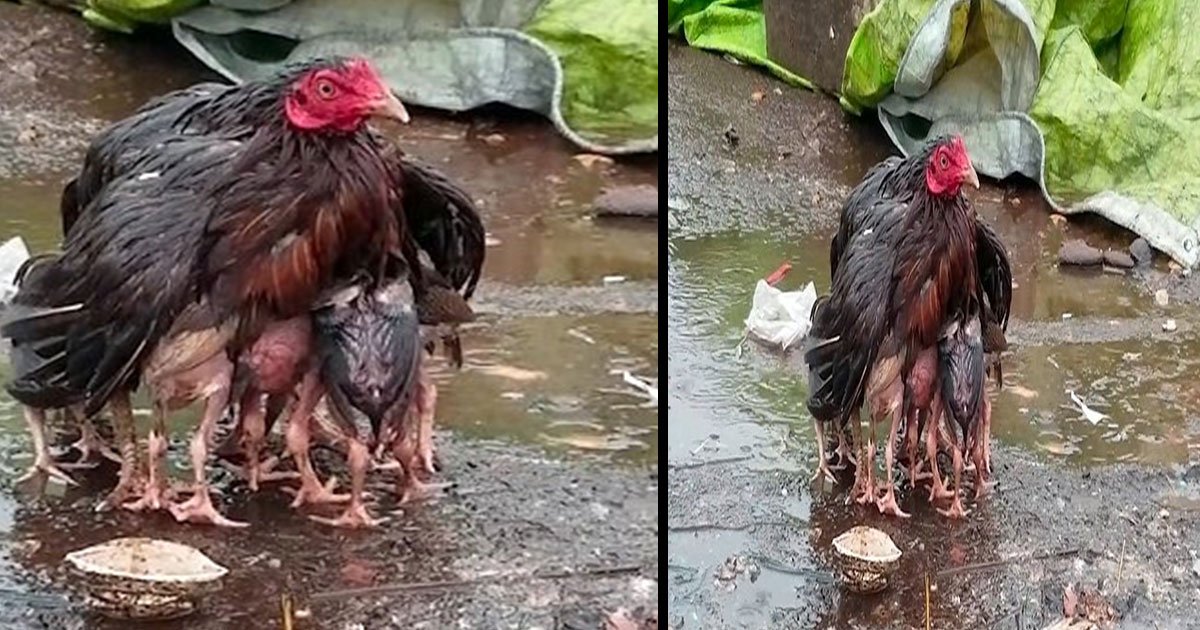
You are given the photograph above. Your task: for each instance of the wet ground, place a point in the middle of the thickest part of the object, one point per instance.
(1114, 505)
(555, 459)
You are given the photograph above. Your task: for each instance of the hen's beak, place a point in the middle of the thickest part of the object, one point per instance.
(971, 176)
(390, 107)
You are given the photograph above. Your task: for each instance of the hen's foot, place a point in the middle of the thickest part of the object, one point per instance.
(92, 451)
(199, 509)
(355, 516)
(156, 496)
(45, 466)
(887, 505)
(823, 470)
(312, 492)
(955, 511)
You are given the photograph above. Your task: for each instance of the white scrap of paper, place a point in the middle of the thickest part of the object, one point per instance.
(1090, 414)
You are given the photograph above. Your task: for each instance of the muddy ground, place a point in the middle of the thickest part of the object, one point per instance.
(1114, 506)
(554, 460)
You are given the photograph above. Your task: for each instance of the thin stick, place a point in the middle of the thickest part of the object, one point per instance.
(928, 621)
(450, 584)
(996, 563)
(710, 462)
(1120, 566)
(285, 602)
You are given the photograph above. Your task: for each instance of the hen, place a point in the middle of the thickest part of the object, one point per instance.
(251, 225)
(898, 277)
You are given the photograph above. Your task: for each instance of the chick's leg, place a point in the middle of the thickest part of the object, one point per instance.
(427, 404)
(130, 479)
(887, 503)
(156, 493)
(937, 490)
(298, 437)
(956, 507)
(90, 443)
(43, 464)
(199, 508)
(356, 514)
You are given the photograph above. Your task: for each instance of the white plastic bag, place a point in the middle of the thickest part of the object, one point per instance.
(778, 318)
(13, 254)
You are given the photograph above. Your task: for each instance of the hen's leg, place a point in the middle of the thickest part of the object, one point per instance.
(823, 471)
(979, 450)
(130, 479)
(842, 451)
(156, 493)
(887, 503)
(987, 434)
(199, 508)
(356, 514)
(956, 507)
(43, 464)
(859, 474)
(298, 437)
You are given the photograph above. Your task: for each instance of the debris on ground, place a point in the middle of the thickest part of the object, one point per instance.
(593, 161)
(1077, 252)
(780, 318)
(726, 574)
(731, 136)
(638, 619)
(1169, 326)
(1118, 259)
(13, 254)
(627, 201)
(1087, 604)
(1090, 414)
(1161, 297)
(1141, 251)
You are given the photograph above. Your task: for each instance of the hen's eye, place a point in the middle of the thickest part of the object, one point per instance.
(943, 161)
(326, 89)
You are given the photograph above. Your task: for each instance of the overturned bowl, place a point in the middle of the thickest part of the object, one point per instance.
(867, 557)
(144, 578)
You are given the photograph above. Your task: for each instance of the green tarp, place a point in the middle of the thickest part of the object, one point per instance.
(591, 68)
(1096, 100)
(734, 27)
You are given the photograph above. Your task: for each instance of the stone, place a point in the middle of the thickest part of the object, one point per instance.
(1077, 252)
(1118, 259)
(1141, 251)
(627, 201)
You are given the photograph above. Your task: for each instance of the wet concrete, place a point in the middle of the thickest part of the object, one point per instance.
(553, 457)
(741, 445)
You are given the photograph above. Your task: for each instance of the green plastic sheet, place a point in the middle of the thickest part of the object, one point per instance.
(733, 27)
(590, 67)
(1097, 100)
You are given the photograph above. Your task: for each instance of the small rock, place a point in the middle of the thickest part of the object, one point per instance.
(1169, 325)
(1163, 513)
(1161, 297)
(1077, 252)
(731, 136)
(613, 279)
(274, 563)
(1141, 252)
(1058, 219)
(1118, 259)
(494, 139)
(27, 135)
(757, 96)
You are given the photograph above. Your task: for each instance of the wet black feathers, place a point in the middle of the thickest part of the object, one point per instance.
(370, 353)
(962, 372)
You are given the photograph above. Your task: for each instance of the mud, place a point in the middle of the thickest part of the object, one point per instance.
(1116, 499)
(554, 458)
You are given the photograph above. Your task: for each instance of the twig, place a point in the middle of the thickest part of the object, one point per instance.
(1003, 561)
(701, 447)
(285, 602)
(711, 462)
(409, 587)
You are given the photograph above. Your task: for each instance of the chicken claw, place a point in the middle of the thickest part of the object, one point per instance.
(355, 516)
(44, 466)
(312, 492)
(199, 509)
(955, 510)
